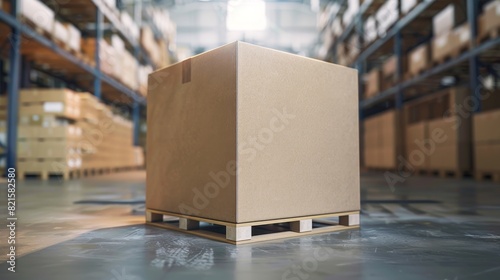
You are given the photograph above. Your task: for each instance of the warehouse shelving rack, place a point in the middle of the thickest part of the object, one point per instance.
(467, 66)
(66, 65)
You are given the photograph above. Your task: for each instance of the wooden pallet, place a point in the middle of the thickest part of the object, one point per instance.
(493, 176)
(46, 175)
(445, 173)
(252, 232)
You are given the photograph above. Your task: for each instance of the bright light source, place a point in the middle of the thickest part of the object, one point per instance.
(246, 15)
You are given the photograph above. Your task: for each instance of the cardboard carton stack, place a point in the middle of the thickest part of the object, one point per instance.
(487, 143)
(370, 30)
(350, 13)
(107, 54)
(67, 35)
(381, 145)
(389, 68)
(489, 21)
(386, 16)
(47, 136)
(419, 60)
(106, 138)
(448, 41)
(373, 81)
(37, 14)
(438, 136)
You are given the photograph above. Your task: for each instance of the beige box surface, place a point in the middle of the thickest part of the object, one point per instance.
(419, 59)
(373, 80)
(487, 157)
(416, 139)
(251, 110)
(486, 127)
(490, 19)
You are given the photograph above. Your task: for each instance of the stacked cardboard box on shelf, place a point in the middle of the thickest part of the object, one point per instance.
(352, 9)
(370, 30)
(386, 16)
(107, 54)
(37, 14)
(438, 136)
(373, 80)
(47, 137)
(449, 41)
(389, 68)
(489, 21)
(106, 138)
(67, 35)
(419, 60)
(381, 144)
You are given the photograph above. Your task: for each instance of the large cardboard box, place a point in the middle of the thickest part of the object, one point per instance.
(38, 14)
(373, 81)
(487, 157)
(490, 19)
(447, 19)
(419, 59)
(442, 46)
(416, 136)
(486, 127)
(240, 134)
(381, 140)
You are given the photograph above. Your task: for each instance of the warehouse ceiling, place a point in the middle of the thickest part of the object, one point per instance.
(288, 25)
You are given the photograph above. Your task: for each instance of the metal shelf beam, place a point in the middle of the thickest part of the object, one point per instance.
(434, 71)
(29, 32)
(412, 15)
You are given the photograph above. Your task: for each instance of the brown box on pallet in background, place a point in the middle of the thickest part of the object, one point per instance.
(489, 21)
(381, 142)
(231, 95)
(487, 157)
(447, 144)
(416, 138)
(419, 59)
(56, 102)
(486, 127)
(373, 80)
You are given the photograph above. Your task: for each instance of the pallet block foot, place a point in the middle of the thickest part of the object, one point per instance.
(301, 226)
(238, 233)
(188, 224)
(349, 220)
(153, 217)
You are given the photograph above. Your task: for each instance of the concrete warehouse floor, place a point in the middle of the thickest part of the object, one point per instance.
(429, 228)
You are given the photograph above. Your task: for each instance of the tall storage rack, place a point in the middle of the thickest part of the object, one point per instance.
(408, 31)
(65, 64)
